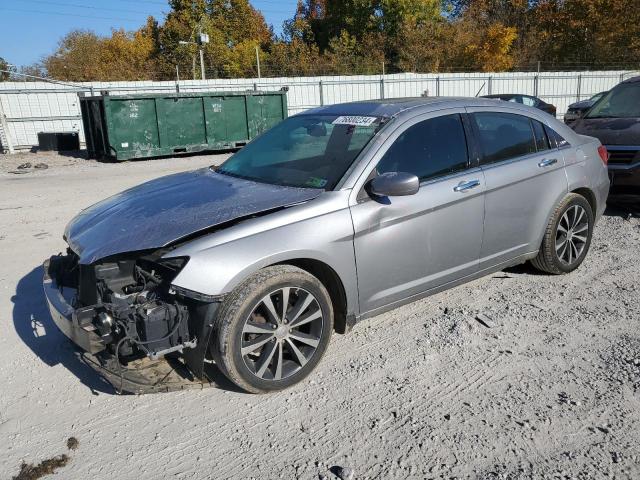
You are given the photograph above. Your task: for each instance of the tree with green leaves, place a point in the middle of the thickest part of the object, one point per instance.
(234, 27)
(85, 56)
(357, 37)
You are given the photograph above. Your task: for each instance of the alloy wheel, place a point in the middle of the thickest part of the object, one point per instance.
(282, 333)
(571, 234)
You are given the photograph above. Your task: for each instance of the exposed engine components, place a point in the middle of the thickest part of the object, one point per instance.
(128, 304)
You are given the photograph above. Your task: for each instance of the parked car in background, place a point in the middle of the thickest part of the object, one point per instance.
(332, 216)
(615, 121)
(527, 100)
(578, 109)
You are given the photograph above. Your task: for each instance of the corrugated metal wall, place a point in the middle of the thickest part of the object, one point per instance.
(32, 107)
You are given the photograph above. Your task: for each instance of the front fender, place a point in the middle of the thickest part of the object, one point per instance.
(216, 268)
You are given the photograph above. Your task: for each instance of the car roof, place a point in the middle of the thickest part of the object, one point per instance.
(395, 106)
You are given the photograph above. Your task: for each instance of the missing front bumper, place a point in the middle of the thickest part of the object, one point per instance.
(63, 315)
(171, 373)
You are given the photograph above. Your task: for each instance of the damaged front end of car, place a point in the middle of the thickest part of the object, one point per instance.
(141, 333)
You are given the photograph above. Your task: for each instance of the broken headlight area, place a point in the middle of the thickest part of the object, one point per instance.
(127, 302)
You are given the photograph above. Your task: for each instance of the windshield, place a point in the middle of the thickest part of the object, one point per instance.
(312, 151)
(621, 102)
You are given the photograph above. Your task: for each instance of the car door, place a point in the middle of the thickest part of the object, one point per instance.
(524, 177)
(407, 245)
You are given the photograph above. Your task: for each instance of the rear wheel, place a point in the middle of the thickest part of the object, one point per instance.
(567, 237)
(273, 329)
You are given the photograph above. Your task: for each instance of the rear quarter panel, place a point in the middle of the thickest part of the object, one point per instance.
(585, 169)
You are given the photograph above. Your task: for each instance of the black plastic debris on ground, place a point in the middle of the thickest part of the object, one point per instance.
(485, 320)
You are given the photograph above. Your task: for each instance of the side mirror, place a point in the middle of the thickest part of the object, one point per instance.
(394, 184)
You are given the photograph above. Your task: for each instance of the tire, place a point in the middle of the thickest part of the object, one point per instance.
(561, 252)
(258, 349)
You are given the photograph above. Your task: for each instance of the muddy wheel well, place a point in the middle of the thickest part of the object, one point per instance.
(591, 198)
(332, 283)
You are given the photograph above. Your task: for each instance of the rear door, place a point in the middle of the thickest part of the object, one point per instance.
(405, 246)
(525, 179)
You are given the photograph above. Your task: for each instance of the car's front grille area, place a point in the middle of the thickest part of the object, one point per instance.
(623, 157)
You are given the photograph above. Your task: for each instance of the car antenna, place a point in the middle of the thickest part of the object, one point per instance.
(481, 88)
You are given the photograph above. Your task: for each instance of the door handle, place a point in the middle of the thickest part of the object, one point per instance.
(464, 186)
(547, 163)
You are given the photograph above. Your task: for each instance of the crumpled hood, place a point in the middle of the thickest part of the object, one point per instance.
(610, 131)
(162, 211)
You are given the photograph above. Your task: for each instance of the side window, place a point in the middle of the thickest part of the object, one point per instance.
(429, 149)
(555, 139)
(542, 142)
(530, 101)
(504, 135)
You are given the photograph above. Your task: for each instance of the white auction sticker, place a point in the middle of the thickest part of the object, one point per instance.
(355, 120)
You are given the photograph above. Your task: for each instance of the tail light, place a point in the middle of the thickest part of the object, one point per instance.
(604, 155)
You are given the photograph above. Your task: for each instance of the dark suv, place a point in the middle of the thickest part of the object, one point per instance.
(615, 121)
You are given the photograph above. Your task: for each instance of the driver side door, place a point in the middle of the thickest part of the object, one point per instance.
(406, 246)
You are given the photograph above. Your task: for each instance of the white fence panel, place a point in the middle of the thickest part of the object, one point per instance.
(32, 107)
(456, 86)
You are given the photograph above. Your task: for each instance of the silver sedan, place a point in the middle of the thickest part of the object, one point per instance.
(334, 215)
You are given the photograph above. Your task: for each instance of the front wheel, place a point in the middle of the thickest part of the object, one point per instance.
(567, 237)
(273, 329)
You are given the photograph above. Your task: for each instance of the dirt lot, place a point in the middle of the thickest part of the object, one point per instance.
(547, 387)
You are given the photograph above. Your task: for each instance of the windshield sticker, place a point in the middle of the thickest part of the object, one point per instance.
(316, 182)
(355, 120)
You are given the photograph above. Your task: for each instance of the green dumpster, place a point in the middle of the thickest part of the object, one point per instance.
(123, 127)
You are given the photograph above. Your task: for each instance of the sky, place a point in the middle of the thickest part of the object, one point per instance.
(30, 29)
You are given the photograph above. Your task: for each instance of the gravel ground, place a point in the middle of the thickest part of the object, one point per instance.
(515, 376)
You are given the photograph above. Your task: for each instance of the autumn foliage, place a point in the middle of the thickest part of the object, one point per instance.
(359, 37)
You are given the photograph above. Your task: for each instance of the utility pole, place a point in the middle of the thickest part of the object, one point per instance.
(202, 75)
(201, 40)
(258, 61)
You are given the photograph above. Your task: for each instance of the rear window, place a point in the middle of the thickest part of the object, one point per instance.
(504, 136)
(555, 139)
(542, 142)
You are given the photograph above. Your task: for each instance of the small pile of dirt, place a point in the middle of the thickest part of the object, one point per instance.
(72, 443)
(29, 471)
